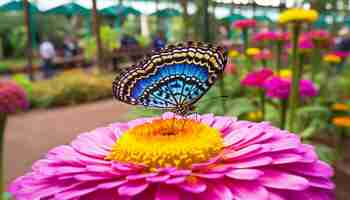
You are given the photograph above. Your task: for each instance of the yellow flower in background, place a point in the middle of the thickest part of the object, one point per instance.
(332, 59)
(233, 53)
(340, 107)
(255, 116)
(252, 51)
(285, 73)
(297, 15)
(343, 121)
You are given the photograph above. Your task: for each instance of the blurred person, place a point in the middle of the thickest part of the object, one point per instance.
(47, 54)
(159, 41)
(342, 46)
(70, 47)
(128, 41)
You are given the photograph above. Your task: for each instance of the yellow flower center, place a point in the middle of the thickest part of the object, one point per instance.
(168, 143)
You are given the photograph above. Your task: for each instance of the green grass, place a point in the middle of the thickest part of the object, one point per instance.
(15, 63)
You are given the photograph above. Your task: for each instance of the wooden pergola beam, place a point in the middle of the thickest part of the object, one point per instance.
(96, 27)
(26, 10)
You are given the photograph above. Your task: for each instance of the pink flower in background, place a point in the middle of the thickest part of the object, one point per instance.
(264, 36)
(230, 69)
(307, 88)
(321, 38)
(305, 43)
(271, 36)
(341, 54)
(12, 97)
(319, 34)
(244, 23)
(282, 36)
(264, 54)
(279, 88)
(254, 161)
(257, 78)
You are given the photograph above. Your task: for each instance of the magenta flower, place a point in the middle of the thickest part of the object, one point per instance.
(264, 54)
(12, 97)
(244, 23)
(341, 54)
(264, 36)
(230, 69)
(271, 36)
(257, 78)
(279, 88)
(282, 36)
(220, 158)
(321, 38)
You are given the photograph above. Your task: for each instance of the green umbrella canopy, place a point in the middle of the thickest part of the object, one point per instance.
(17, 6)
(120, 10)
(68, 9)
(167, 12)
(233, 18)
(262, 18)
(321, 22)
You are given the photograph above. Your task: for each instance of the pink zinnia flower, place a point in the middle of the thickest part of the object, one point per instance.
(12, 97)
(244, 23)
(264, 36)
(271, 36)
(220, 158)
(341, 54)
(319, 34)
(264, 54)
(257, 78)
(282, 36)
(230, 69)
(279, 88)
(321, 38)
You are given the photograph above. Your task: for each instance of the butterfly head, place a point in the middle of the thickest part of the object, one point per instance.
(184, 110)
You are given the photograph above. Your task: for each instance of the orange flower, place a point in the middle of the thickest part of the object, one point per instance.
(340, 107)
(343, 121)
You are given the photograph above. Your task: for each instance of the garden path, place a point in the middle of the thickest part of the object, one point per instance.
(30, 135)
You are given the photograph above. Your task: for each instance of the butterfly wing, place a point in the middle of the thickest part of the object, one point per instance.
(175, 76)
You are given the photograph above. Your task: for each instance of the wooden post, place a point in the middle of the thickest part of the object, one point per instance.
(29, 51)
(185, 17)
(206, 30)
(96, 27)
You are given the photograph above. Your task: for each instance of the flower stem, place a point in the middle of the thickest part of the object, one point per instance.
(294, 97)
(245, 40)
(316, 63)
(222, 93)
(278, 57)
(284, 107)
(262, 103)
(3, 118)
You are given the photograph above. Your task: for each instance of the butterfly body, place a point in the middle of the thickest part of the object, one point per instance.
(173, 79)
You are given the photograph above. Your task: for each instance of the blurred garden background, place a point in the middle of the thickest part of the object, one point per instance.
(65, 54)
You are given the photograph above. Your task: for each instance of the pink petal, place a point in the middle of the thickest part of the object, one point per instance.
(158, 178)
(196, 187)
(248, 190)
(165, 192)
(244, 174)
(282, 180)
(252, 162)
(132, 189)
(216, 191)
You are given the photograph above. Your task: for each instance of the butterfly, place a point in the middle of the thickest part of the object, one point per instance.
(173, 79)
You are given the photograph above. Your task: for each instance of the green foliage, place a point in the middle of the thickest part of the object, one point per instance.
(24, 81)
(71, 88)
(326, 153)
(312, 120)
(109, 38)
